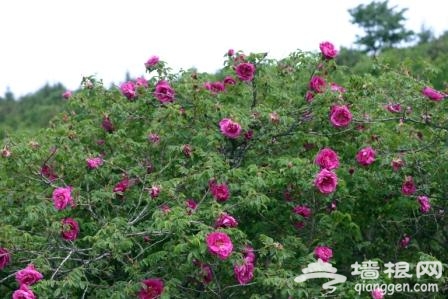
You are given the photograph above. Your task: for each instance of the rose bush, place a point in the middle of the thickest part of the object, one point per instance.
(228, 192)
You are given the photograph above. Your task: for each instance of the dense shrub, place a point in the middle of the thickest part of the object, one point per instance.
(194, 185)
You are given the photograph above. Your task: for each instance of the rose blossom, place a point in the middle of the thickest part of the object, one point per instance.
(394, 108)
(366, 156)
(67, 94)
(141, 82)
(408, 187)
(164, 92)
(154, 138)
(309, 96)
(128, 90)
(324, 253)
(432, 94)
(245, 71)
(206, 271)
(191, 205)
(249, 255)
(397, 163)
(244, 273)
(327, 158)
(122, 185)
(229, 128)
(93, 163)
(70, 229)
(337, 88)
(225, 220)
(220, 191)
(340, 116)
(23, 293)
(62, 196)
(404, 242)
(152, 288)
(107, 125)
(5, 258)
(377, 294)
(328, 50)
(28, 276)
(317, 84)
(228, 80)
(152, 61)
(326, 181)
(230, 52)
(154, 191)
(425, 206)
(48, 172)
(219, 243)
(217, 87)
(302, 211)
(186, 149)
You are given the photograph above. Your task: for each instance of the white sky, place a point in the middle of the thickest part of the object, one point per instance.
(62, 40)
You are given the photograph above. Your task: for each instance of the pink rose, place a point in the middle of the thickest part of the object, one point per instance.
(164, 92)
(249, 254)
(397, 163)
(230, 128)
(62, 196)
(408, 187)
(326, 181)
(433, 94)
(217, 87)
(377, 294)
(230, 52)
(191, 205)
(337, 88)
(151, 62)
(186, 149)
(107, 125)
(327, 158)
(425, 206)
(317, 84)
(141, 82)
(245, 71)
(404, 242)
(154, 138)
(93, 163)
(225, 220)
(340, 116)
(165, 208)
(48, 172)
(152, 288)
(67, 94)
(366, 156)
(244, 273)
(5, 258)
(302, 211)
(28, 276)
(23, 293)
(228, 80)
(70, 229)
(219, 243)
(206, 271)
(122, 186)
(128, 90)
(309, 96)
(394, 108)
(324, 253)
(154, 191)
(220, 191)
(328, 50)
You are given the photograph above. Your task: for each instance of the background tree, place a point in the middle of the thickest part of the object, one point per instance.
(383, 26)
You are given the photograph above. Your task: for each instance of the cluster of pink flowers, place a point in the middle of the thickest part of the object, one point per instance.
(326, 181)
(219, 191)
(164, 92)
(225, 220)
(323, 252)
(219, 244)
(25, 278)
(128, 89)
(62, 197)
(317, 84)
(152, 288)
(244, 273)
(229, 128)
(328, 50)
(425, 206)
(327, 159)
